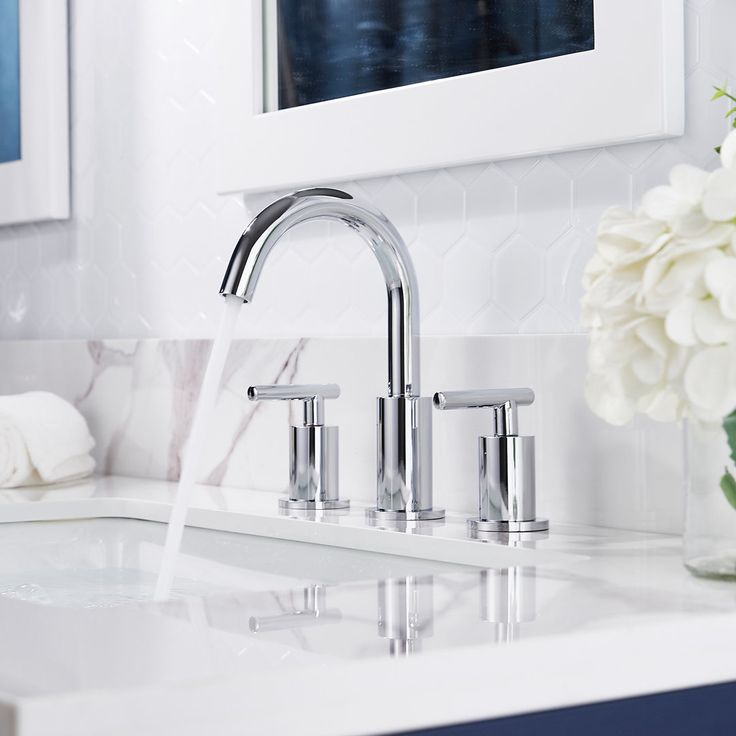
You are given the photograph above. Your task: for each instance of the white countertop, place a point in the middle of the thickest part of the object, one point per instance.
(584, 615)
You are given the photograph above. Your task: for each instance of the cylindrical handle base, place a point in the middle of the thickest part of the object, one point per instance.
(404, 474)
(506, 490)
(313, 464)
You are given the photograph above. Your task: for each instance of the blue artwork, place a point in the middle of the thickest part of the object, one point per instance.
(337, 48)
(9, 81)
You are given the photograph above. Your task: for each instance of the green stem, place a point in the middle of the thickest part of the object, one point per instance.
(728, 482)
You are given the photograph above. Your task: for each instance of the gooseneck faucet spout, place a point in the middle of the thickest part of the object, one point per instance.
(404, 418)
(255, 244)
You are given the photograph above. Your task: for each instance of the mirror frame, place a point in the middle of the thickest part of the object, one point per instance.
(629, 88)
(36, 187)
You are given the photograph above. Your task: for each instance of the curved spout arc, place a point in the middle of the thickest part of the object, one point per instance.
(254, 246)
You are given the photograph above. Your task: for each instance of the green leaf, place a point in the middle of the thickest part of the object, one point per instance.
(732, 111)
(719, 92)
(728, 486)
(729, 424)
(717, 149)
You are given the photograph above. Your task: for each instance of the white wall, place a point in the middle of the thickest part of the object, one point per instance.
(498, 248)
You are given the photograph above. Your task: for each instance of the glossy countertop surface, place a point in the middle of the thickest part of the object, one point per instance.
(355, 642)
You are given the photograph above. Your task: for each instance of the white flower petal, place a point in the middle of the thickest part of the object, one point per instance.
(671, 276)
(679, 323)
(676, 364)
(728, 150)
(715, 236)
(689, 181)
(665, 204)
(709, 382)
(663, 405)
(710, 326)
(719, 197)
(648, 367)
(651, 333)
(629, 225)
(691, 225)
(720, 279)
(624, 237)
(611, 405)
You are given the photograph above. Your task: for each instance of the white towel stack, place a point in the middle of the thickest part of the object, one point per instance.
(43, 439)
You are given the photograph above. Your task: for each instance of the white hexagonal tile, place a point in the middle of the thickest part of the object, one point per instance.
(399, 203)
(8, 252)
(518, 278)
(574, 162)
(491, 208)
(310, 240)
(440, 212)
(716, 38)
(491, 320)
(368, 303)
(93, 291)
(655, 170)
(634, 154)
(466, 175)
(706, 125)
(518, 168)
(468, 279)
(543, 320)
(169, 238)
(564, 264)
(123, 300)
(544, 202)
(604, 183)
(431, 277)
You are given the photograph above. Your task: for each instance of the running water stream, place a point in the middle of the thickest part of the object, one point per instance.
(192, 452)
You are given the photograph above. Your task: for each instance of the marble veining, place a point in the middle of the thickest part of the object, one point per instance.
(139, 396)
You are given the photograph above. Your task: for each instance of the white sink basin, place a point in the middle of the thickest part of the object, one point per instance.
(100, 563)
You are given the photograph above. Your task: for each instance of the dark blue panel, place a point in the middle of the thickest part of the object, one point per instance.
(337, 48)
(697, 712)
(9, 81)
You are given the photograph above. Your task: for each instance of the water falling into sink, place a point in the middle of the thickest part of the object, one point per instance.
(195, 443)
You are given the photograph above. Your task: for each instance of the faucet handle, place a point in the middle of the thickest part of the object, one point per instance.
(503, 401)
(507, 494)
(312, 396)
(313, 447)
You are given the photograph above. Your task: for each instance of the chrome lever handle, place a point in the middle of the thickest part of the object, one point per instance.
(312, 395)
(503, 401)
(506, 467)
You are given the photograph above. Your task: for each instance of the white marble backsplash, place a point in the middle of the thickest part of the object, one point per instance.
(139, 395)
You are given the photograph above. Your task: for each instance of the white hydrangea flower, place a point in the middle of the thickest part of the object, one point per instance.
(660, 301)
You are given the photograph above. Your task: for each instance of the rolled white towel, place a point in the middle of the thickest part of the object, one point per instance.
(43, 439)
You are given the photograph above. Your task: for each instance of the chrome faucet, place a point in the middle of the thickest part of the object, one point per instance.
(404, 431)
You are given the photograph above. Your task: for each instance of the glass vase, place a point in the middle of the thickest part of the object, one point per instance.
(710, 518)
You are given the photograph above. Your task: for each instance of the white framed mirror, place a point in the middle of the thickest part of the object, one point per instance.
(318, 91)
(34, 111)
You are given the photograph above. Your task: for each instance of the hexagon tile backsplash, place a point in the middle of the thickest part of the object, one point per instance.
(499, 248)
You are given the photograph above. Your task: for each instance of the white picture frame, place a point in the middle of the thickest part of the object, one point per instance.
(630, 87)
(36, 187)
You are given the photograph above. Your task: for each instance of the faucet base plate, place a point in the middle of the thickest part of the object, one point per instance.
(476, 526)
(375, 514)
(298, 505)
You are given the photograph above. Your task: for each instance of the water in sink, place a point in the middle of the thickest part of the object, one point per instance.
(77, 613)
(99, 563)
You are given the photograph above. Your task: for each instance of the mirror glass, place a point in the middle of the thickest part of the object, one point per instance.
(9, 81)
(317, 50)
